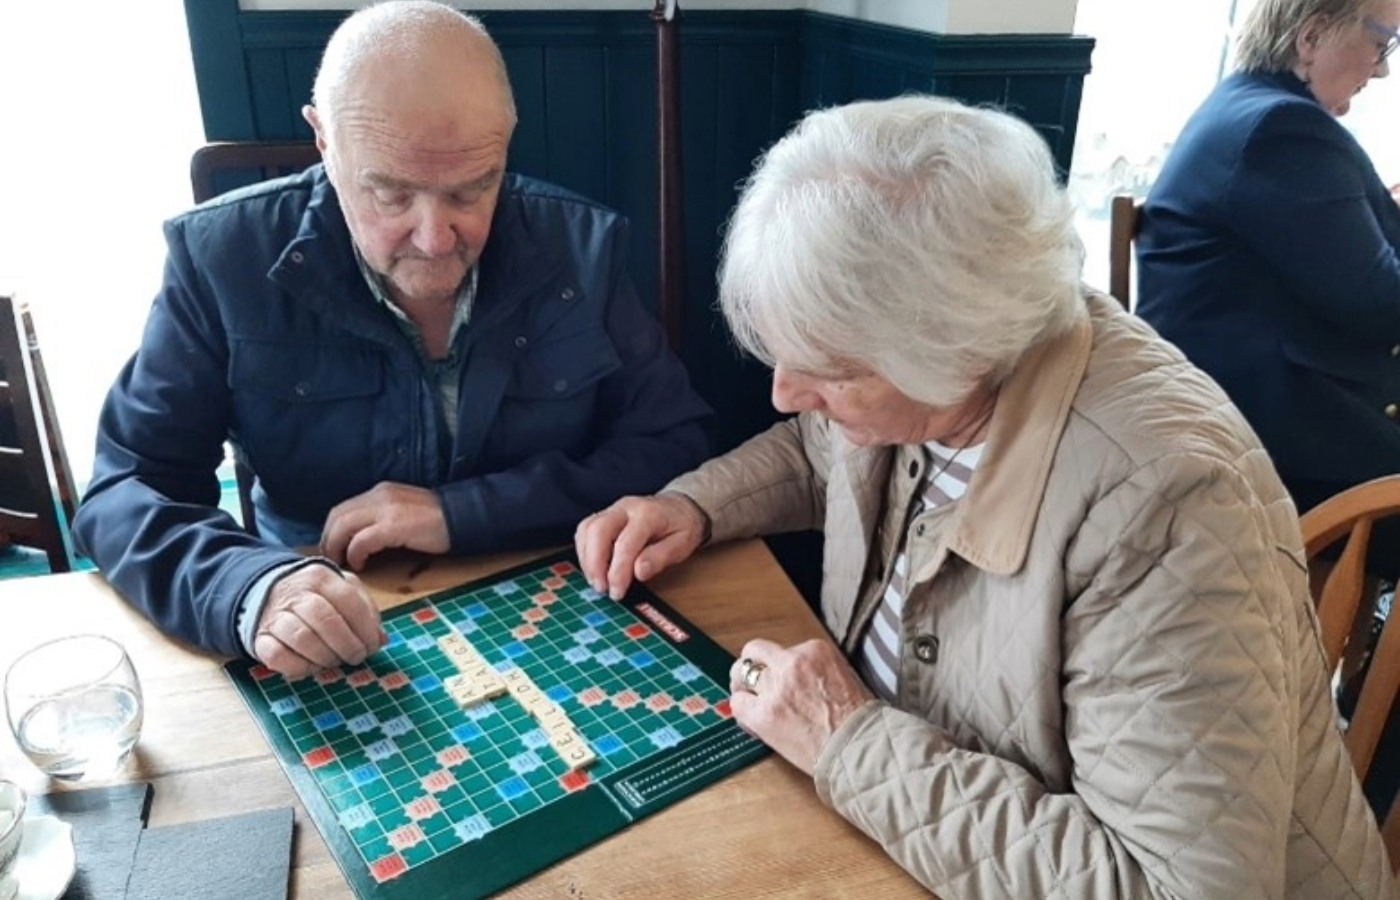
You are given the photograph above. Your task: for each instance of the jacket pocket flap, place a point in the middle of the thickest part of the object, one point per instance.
(563, 367)
(301, 372)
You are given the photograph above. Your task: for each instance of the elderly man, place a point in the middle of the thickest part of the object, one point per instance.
(408, 346)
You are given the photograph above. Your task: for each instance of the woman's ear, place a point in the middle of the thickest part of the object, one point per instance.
(1309, 36)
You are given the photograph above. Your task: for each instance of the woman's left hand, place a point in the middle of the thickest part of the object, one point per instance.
(798, 698)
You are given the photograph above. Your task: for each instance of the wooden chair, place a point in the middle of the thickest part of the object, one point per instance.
(38, 501)
(1350, 516)
(1125, 216)
(218, 168)
(224, 165)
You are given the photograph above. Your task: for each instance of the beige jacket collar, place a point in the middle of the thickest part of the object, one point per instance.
(992, 526)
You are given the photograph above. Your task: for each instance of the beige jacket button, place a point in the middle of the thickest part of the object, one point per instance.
(926, 648)
(1391, 410)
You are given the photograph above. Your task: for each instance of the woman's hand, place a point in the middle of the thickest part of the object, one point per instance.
(638, 537)
(794, 699)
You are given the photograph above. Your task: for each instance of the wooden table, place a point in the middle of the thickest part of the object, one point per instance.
(760, 833)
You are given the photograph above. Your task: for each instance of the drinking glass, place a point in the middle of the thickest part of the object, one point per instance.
(74, 705)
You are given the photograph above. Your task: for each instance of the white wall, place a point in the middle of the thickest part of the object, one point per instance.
(943, 16)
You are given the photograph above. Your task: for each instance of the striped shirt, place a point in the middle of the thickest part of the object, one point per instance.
(949, 470)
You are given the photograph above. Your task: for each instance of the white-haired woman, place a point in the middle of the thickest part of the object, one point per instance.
(1073, 652)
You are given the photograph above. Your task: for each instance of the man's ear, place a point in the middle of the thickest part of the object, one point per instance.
(313, 118)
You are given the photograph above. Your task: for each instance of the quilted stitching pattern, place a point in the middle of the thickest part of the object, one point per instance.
(1141, 711)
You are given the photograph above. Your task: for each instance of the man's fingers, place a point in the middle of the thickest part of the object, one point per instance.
(365, 543)
(368, 621)
(354, 606)
(278, 657)
(335, 630)
(322, 616)
(300, 637)
(335, 537)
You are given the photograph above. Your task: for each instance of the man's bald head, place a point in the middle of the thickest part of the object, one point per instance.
(413, 115)
(414, 43)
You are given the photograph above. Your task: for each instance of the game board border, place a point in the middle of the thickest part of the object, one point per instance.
(497, 862)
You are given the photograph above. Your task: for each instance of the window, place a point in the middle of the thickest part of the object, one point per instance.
(99, 129)
(1149, 75)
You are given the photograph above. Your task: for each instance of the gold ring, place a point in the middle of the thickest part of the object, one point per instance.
(749, 673)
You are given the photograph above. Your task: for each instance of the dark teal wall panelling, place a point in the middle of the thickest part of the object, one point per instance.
(585, 88)
(1038, 77)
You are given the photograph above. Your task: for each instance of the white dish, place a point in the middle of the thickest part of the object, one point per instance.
(47, 859)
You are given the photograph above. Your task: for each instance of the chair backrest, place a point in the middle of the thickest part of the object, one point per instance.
(1125, 215)
(220, 167)
(224, 165)
(38, 499)
(1350, 516)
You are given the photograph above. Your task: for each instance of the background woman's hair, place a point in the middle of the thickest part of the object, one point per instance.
(919, 238)
(1267, 40)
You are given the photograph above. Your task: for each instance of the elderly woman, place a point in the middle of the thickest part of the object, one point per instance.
(1075, 654)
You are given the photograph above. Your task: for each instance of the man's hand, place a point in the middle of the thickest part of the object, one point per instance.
(637, 537)
(387, 515)
(314, 619)
(794, 698)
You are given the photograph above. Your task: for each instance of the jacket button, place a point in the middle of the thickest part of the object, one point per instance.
(913, 469)
(1395, 351)
(920, 529)
(302, 389)
(1391, 410)
(521, 342)
(297, 257)
(566, 294)
(926, 648)
(561, 386)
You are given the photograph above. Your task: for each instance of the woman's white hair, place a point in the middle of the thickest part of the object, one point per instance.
(924, 240)
(397, 28)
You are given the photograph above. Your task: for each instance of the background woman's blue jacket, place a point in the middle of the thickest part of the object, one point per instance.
(1268, 254)
(266, 334)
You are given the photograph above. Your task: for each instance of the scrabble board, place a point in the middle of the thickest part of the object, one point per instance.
(509, 723)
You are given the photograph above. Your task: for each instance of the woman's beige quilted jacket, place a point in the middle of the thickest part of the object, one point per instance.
(1111, 682)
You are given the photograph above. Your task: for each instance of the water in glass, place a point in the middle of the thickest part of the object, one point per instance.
(75, 706)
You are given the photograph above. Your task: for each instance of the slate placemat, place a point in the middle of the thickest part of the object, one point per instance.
(107, 824)
(245, 857)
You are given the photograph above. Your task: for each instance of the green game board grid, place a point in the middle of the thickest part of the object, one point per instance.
(696, 760)
(505, 742)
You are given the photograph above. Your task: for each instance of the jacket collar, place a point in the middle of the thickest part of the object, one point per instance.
(993, 524)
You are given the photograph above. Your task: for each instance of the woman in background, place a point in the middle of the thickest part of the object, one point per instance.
(1268, 254)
